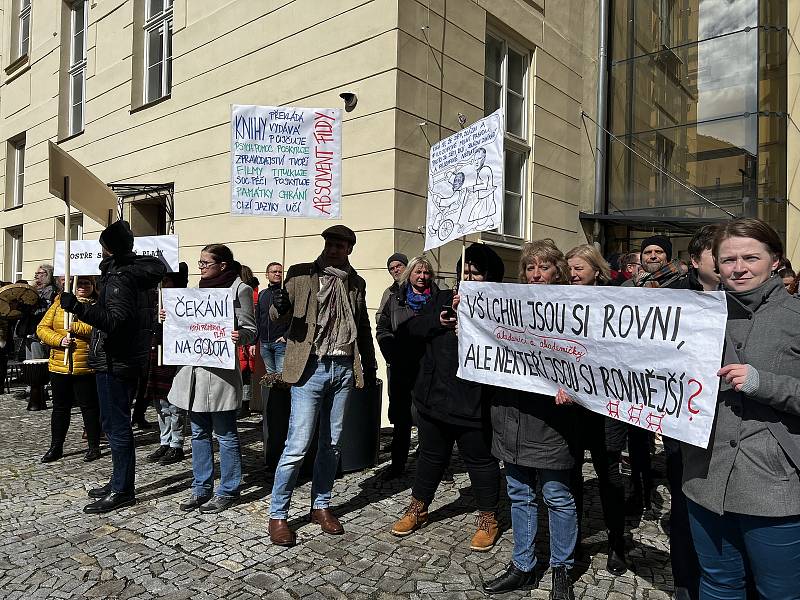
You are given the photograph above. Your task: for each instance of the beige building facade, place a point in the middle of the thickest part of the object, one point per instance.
(140, 91)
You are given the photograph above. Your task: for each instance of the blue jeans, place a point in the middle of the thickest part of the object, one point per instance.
(171, 420)
(223, 424)
(115, 396)
(272, 353)
(321, 395)
(727, 543)
(561, 511)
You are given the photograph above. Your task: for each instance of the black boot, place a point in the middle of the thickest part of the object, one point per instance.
(109, 502)
(36, 401)
(562, 585)
(615, 563)
(93, 453)
(55, 452)
(99, 492)
(512, 579)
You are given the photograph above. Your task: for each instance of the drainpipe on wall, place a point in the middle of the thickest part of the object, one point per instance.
(602, 109)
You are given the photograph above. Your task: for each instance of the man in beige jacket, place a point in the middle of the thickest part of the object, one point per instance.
(329, 351)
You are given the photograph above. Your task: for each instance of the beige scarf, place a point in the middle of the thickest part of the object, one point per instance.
(336, 328)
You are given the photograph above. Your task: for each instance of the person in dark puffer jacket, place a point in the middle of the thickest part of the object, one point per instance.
(122, 326)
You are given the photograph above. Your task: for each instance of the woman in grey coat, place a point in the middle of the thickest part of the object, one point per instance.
(212, 396)
(743, 491)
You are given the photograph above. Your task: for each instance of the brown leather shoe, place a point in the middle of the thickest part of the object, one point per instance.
(327, 521)
(280, 534)
(487, 533)
(416, 516)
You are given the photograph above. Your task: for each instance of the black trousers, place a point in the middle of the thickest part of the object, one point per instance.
(685, 565)
(641, 471)
(609, 478)
(435, 446)
(400, 383)
(68, 391)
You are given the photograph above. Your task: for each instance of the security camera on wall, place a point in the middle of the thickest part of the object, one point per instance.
(350, 100)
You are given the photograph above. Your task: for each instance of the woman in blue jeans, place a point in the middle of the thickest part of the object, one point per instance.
(213, 396)
(532, 437)
(743, 491)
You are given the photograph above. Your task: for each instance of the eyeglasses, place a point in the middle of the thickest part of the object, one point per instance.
(38, 273)
(204, 264)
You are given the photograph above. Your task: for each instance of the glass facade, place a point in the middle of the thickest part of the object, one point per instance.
(697, 106)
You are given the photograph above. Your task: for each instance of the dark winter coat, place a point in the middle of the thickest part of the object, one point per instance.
(438, 392)
(268, 330)
(122, 319)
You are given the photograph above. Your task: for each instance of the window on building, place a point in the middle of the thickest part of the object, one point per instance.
(15, 171)
(506, 86)
(157, 49)
(24, 27)
(79, 22)
(13, 254)
(75, 227)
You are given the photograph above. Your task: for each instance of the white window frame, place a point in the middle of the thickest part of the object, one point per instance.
(162, 22)
(513, 141)
(24, 43)
(77, 67)
(15, 268)
(19, 172)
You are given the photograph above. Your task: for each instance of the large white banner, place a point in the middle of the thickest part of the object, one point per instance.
(85, 255)
(198, 327)
(286, 162)
(648, 357)
(465, 182)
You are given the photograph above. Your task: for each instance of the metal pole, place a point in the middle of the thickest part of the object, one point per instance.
(602, 113)
(67, 255)
(283, 257)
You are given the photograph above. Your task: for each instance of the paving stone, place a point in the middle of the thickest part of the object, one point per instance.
(153, 550)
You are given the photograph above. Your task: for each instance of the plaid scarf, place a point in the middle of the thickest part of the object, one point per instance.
(336, 327)
(669, 273)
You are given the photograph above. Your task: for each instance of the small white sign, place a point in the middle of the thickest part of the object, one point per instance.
(465, 182)
(86, 254)
(198, 327)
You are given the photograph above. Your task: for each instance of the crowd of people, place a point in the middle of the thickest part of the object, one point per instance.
(735, 506)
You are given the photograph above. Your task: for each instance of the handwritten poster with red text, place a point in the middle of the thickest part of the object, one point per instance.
(198, 327)
(647, 357)
(286, 162)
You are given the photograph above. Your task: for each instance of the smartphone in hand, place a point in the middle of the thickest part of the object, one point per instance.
(449, 311)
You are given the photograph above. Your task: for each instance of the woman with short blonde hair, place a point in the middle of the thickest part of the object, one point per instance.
(542, 262)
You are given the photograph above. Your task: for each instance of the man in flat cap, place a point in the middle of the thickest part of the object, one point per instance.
(396, 265)
(329, 351)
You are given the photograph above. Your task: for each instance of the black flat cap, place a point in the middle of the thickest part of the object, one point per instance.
(340, 232)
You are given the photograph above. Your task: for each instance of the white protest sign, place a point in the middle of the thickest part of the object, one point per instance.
(465, 182)
(647, 357)
(198, 327)
(85, 255)
(286, 162)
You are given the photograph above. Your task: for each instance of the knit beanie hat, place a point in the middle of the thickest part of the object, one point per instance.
(485, 260)
(397, 256)
(660, 241)
(117, 238)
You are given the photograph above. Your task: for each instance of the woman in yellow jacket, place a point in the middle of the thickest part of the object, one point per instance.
(71, 381)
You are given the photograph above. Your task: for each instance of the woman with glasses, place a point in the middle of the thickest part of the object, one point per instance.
(212, 396)
(72, 380)
(35, 352)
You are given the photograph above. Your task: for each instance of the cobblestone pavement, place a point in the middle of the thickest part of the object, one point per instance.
(50, 549)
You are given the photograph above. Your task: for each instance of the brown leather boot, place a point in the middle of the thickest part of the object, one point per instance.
(280, 534)
(487, 533)
(416, 516)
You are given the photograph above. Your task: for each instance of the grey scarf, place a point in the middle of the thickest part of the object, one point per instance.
(336, 328)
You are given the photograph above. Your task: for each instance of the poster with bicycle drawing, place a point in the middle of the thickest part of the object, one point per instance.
(465, 182)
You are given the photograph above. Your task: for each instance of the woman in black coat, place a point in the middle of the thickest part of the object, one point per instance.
(403, 353)
(532, 437)
(451, 410)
